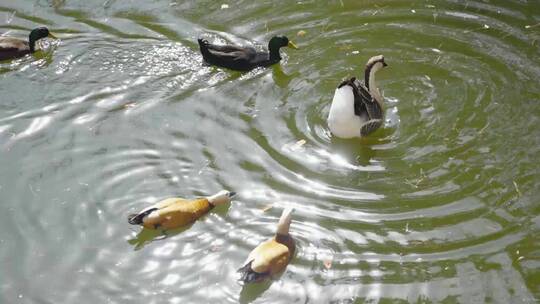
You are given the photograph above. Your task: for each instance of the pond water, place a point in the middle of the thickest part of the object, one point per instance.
(438, 206)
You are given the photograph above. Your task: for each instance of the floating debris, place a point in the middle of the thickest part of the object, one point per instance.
(224, 6)
(327, 263)
(216, 248)
(301, 33)
(267, 207)
(298, 144)
(517, 189)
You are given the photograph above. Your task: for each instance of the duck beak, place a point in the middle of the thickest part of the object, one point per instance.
(292, 45)
(384, 64)
(52, 36)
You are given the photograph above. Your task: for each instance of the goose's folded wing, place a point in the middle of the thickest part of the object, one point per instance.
(363, 92)
(372, 107)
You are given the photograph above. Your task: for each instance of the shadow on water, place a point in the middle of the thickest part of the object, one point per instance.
(250, 292)
(146, 236)
(280, 78)
(356, 150)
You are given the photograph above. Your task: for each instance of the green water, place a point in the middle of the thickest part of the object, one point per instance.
(438, 206)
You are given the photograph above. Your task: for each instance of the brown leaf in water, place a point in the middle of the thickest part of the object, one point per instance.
(299, 144)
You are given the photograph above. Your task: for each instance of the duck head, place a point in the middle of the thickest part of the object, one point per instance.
(285, 221)
(222, 197)
(36, 34)
(278, 42)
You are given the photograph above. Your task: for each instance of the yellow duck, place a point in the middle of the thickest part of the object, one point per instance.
(270, 257)
(176, 212)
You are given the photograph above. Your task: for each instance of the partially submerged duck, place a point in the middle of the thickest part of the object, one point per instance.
(176, 212)
(270, 257)
(357, 108)
(14, 48)
(243, 58)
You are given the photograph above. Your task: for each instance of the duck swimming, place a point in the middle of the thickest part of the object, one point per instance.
(14, 48)
(176, 212)
(270, 257)
(243, 58)
(357, 108)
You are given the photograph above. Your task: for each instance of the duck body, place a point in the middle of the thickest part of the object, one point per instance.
(176, 212)
(243, 58)
(11, 48)
(356, 109)
(272, 256)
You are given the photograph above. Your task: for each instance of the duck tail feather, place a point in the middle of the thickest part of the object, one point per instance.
(137, 218)
(250, 276)
(349, 82)
(203, 45)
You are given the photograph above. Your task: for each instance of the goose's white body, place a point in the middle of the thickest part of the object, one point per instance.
(342, 121)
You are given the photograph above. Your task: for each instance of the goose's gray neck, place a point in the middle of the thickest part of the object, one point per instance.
(370, 81)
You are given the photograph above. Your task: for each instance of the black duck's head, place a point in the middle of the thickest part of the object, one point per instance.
(38, 33)
(278, 42)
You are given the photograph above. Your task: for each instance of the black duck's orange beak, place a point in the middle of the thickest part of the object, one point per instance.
(52, 36)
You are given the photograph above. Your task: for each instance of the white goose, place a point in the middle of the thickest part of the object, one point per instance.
(357, 108)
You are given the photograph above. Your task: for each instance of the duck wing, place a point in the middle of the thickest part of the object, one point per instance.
(137, 219)
(265, 260)
(225, 48)
(178, 213)
(13, 47)
(10, 43)
(235, 56)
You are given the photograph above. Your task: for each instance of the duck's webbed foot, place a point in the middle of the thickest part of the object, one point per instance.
(370, 126)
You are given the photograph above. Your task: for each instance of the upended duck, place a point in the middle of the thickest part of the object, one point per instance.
(357, 108)
(176, 212)
(272, 256)
(14, 48)
(243, 58)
